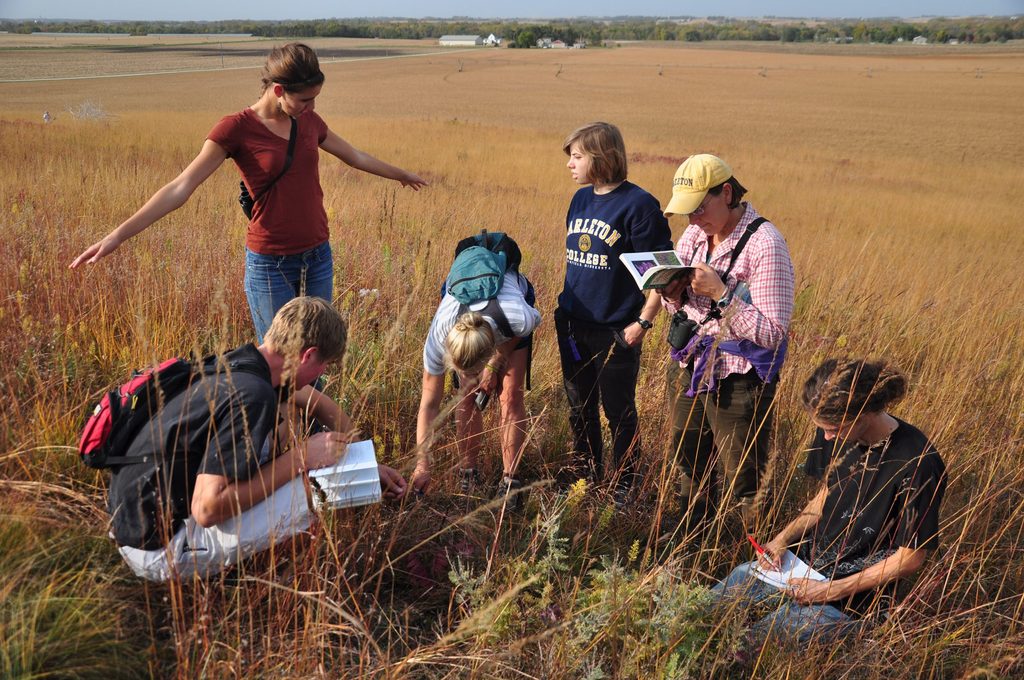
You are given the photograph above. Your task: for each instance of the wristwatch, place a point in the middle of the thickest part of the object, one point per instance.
(726, 298)
(644, 323)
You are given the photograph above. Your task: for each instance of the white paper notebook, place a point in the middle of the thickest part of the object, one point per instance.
(352, 481)
(791, 567)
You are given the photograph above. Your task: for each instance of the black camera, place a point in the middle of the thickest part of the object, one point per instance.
(681, 330)
(481, 400)
(245, 200)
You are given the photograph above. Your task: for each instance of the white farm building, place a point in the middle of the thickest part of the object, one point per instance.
(460, 40)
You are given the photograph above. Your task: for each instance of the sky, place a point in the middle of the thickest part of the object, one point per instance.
(205, 10)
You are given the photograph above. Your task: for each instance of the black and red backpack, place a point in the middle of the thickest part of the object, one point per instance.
(121, 413)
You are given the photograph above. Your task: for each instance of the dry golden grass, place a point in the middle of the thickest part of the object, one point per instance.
(895, 177)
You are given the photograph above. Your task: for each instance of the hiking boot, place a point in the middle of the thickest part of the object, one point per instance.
(509, 491)
(468, 479)
(622, 497)
(568, 475)
(623, 493)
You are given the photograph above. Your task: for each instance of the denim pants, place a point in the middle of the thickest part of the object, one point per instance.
(790, 620)
(273, 280)
(599, 370)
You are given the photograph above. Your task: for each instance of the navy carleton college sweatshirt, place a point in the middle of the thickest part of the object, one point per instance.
(599, 227)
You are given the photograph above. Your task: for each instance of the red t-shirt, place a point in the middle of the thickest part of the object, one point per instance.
(290, 218)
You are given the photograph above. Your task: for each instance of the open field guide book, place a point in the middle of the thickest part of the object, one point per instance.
(654, 269)
(350, 482)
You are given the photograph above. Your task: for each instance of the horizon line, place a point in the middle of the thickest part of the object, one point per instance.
(619, 17)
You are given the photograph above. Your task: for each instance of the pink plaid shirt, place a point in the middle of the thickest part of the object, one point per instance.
(762, 307)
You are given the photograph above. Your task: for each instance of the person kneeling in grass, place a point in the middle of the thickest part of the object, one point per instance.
(874, 520)
(221, 475)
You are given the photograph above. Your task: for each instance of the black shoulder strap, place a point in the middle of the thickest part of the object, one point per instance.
(747, 233)
(495, 313)
(287, 161)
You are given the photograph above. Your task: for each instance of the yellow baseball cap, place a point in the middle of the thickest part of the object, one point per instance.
(694, 177)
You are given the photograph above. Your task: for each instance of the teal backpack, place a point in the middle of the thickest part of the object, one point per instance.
(477, 274)
(480, 265)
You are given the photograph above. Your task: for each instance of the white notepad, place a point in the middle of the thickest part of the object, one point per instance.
(352, 481)
(791, 567)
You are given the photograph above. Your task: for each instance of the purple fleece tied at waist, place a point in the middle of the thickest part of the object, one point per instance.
(766, 362)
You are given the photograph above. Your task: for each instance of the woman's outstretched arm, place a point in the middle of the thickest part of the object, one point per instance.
(360, 160)
(168, 198)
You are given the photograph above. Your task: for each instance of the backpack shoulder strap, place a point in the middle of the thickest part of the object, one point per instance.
(495, 313)
(212, 365)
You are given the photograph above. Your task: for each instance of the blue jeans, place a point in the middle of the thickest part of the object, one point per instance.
(273, 280)
(790, 620)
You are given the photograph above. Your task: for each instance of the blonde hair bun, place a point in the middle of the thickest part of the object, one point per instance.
(470, 343)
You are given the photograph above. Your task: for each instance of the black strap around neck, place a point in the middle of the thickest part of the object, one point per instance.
(744, 237)
(740, 245)
(287, 161)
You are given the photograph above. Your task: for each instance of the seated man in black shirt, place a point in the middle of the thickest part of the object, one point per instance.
(875, 518)
(223, 476)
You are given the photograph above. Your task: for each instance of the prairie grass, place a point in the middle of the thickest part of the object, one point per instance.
(898, 192)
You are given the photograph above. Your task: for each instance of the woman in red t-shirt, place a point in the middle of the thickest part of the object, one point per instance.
(287, 248)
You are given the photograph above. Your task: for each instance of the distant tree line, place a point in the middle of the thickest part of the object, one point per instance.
(594, 32)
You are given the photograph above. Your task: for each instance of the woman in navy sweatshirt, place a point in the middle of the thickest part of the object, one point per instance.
(602, 316)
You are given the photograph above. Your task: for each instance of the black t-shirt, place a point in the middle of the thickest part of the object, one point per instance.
(217, 426)
(880, 498)
(821, 451)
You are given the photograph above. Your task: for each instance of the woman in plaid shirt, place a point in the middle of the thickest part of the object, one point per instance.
(721, 386)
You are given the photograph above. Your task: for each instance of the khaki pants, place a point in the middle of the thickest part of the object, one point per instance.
(731, 426)
(196, 550)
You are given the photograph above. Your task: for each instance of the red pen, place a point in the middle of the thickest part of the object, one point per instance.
(761, 551)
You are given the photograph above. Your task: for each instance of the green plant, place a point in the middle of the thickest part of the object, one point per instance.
(60, 617)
